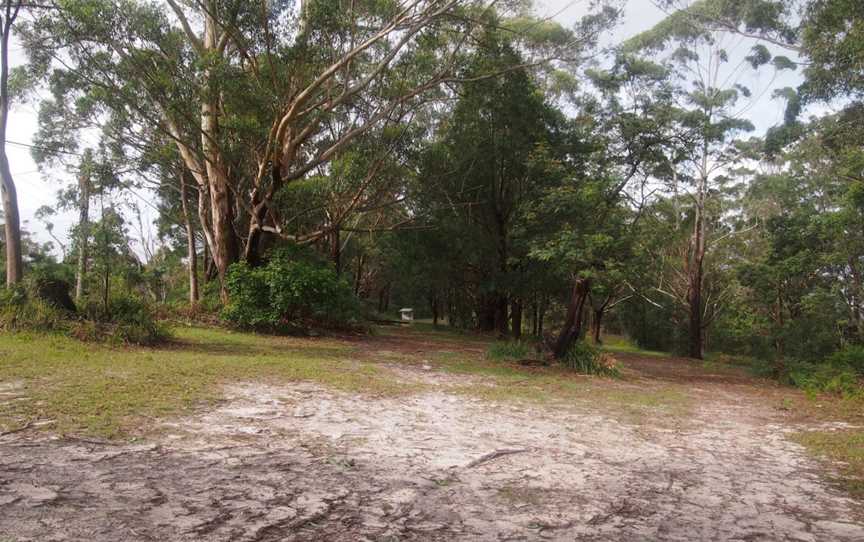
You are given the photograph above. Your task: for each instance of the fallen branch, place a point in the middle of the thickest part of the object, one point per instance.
(494, 455)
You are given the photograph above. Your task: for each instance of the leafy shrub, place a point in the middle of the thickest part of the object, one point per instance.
(586, 359)
(288, 293)
(508, 350)
(128, 320)
(824, 378)
(851, 356)
(20, 312)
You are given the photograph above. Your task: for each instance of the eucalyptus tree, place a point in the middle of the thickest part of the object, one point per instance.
(827, 33)
(580, 225)
(9, 11)
(83, 230)
(832, 39)
(258, 95)
(711, 119)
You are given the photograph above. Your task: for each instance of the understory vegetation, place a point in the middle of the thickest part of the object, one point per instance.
(43, 305)
(290, 292)
(262, 167)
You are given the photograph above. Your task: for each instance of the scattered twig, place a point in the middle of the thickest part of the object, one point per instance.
(96, 442)
(543, 526)
(494, 455)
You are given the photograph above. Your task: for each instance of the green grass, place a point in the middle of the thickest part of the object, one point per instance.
(108, 392)
(508, 350)
(623, 345)
(846, 447)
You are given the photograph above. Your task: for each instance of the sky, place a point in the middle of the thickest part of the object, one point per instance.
(34, 190)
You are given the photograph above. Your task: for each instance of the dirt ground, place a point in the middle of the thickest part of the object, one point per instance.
(301, 462)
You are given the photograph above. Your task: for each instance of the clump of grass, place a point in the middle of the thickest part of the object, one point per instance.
(846, 447)
(508, 350)
(586, 359)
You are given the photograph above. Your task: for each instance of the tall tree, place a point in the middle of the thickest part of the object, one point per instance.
(710, 120)
(12, 220)
(84, 184)
(257, 96)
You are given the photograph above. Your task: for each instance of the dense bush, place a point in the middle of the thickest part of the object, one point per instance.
(841, 373)
(851, 357)
(127, 320)
(19, 311)
(288, 293)
(586, 359)
(827, 378)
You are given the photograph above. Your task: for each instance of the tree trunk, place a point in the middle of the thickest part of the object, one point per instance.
(541, 315)
(534, 315)
(83, 230)
(225, 248)
(106, 265)
(14, 262)
(358, 277)
(433, 304)
(695, 260)
(336, 249)
(486, 313)
(516, 316)
(572, 328)
(501, 322)
(596, 324)
(694, 302)
(191, 252)
(381, 294)
(259, 215)
(779, 346)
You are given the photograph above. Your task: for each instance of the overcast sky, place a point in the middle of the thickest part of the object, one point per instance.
(35, 191)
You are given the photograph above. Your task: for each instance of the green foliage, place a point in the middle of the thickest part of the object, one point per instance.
(586, 359)
(288, 293)
(833, 40)
(852, 357)
(840, 374)
(508, 350)
(127, 320)
(19, 312)
(826, 378)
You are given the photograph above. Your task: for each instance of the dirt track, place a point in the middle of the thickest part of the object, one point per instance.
(299, 462)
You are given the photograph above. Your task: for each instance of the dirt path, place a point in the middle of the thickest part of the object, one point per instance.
(299, 462)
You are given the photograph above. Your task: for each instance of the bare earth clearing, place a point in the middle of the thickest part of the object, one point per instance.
(453, 461)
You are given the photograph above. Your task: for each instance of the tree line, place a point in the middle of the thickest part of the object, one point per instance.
(471, 158)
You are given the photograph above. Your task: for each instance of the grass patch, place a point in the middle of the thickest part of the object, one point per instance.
(560, 387)
(846, 447)
(108, 392)
(508, 350)
(619, 344)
